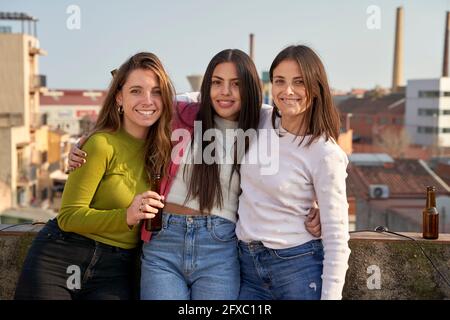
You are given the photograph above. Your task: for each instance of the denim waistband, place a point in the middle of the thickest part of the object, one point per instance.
(194, 221)
(54, 227)
(256, 245)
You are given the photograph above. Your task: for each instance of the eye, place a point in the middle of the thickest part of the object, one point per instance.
(215, 82)
(279, 82)
(156, 92)
(298, 82)
(235, 84)
(135, 91)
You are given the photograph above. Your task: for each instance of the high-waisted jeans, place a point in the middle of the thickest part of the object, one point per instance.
(191, 258)
(281, 274)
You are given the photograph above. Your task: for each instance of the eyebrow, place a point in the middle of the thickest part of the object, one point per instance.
(140, 87)
(299, 77)
(224, 79)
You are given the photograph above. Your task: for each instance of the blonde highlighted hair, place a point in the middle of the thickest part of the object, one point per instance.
(158, 145)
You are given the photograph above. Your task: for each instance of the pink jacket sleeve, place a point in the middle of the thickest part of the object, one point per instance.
(185, 114)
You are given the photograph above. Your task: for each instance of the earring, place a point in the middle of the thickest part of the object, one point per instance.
(120, 109)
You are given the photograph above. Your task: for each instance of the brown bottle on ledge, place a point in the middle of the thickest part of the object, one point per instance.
(155, 224)
(430, 224)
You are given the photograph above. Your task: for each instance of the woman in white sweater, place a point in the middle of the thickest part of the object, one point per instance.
(279, 258)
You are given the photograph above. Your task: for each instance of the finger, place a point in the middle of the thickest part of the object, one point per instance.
(151, 194)
(76, 151)
(153, 202)
(77, 159)
(146, 208)
(72, 165)
(148, 216)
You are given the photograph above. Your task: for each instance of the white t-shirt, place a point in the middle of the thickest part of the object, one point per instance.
(273, 207)
(179, 189)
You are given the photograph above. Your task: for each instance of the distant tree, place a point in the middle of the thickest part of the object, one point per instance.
(393, 141)
(376, 92)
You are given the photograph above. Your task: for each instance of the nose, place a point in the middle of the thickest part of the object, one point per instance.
(148, 99)
(226, 89)
(289, 89)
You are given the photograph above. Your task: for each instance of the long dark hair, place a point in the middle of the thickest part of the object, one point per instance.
(322, 117)
(205, 179)
(158, 145)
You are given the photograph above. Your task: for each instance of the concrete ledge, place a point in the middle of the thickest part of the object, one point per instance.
(404, 270)
(381, 266)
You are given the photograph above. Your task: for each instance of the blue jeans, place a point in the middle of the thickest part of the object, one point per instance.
(191, 258)
(281, 274)
(64, 266)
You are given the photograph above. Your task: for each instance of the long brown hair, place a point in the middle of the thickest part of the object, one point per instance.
(205, 179)
(322, 117)
(158, 145)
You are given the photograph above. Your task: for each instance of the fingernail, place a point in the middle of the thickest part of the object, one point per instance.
(84, 161)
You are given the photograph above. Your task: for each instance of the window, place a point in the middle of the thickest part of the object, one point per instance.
(428, 94)
(427, 130)
(383, 120)
(428, 112)
(398, 121)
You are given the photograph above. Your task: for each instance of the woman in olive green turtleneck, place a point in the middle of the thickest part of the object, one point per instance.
(89, 250)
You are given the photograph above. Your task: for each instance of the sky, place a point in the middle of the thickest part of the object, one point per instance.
(186, 34)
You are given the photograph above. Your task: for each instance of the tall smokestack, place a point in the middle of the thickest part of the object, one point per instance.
(251, 46)
(397, 75)
(445, 60)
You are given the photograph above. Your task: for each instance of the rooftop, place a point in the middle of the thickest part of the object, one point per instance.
(392, 104)
(58, 97)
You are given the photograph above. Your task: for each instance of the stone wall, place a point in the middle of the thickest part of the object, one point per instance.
(381, 266)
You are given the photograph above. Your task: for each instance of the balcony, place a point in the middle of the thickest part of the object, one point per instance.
(381, 266)
(27, 176)
(8, 120)
(37, 82)
(36, 121)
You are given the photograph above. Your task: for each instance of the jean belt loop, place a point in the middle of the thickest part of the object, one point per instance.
(165, 220)
(209, 222)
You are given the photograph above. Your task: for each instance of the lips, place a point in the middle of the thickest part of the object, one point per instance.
(146, 113)
(290, 101)
(225, 103)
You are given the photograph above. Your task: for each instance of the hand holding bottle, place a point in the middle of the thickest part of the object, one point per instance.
(144, 206)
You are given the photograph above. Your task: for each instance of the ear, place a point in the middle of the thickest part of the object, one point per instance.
(119, 98)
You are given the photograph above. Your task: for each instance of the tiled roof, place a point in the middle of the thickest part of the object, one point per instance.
(73, 97)
(392, 103)
(405, 178)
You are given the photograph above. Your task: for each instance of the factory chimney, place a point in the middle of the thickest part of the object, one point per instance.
(397, 75)
(445, 60)
(251, 46)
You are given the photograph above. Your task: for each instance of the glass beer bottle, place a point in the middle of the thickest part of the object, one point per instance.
(155, 224)
(430, 223)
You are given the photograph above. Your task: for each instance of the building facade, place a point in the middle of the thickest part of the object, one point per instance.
(20, 122)
(427, 116)
(70, 110)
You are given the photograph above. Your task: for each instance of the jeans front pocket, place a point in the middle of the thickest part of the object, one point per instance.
(223, 230)
(303, 250)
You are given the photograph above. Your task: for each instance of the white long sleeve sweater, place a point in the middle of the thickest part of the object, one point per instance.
(273, 207)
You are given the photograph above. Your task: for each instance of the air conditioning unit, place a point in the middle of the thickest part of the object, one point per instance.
(378, 191)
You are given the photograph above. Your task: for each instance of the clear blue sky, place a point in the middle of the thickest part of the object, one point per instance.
(185, 34)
